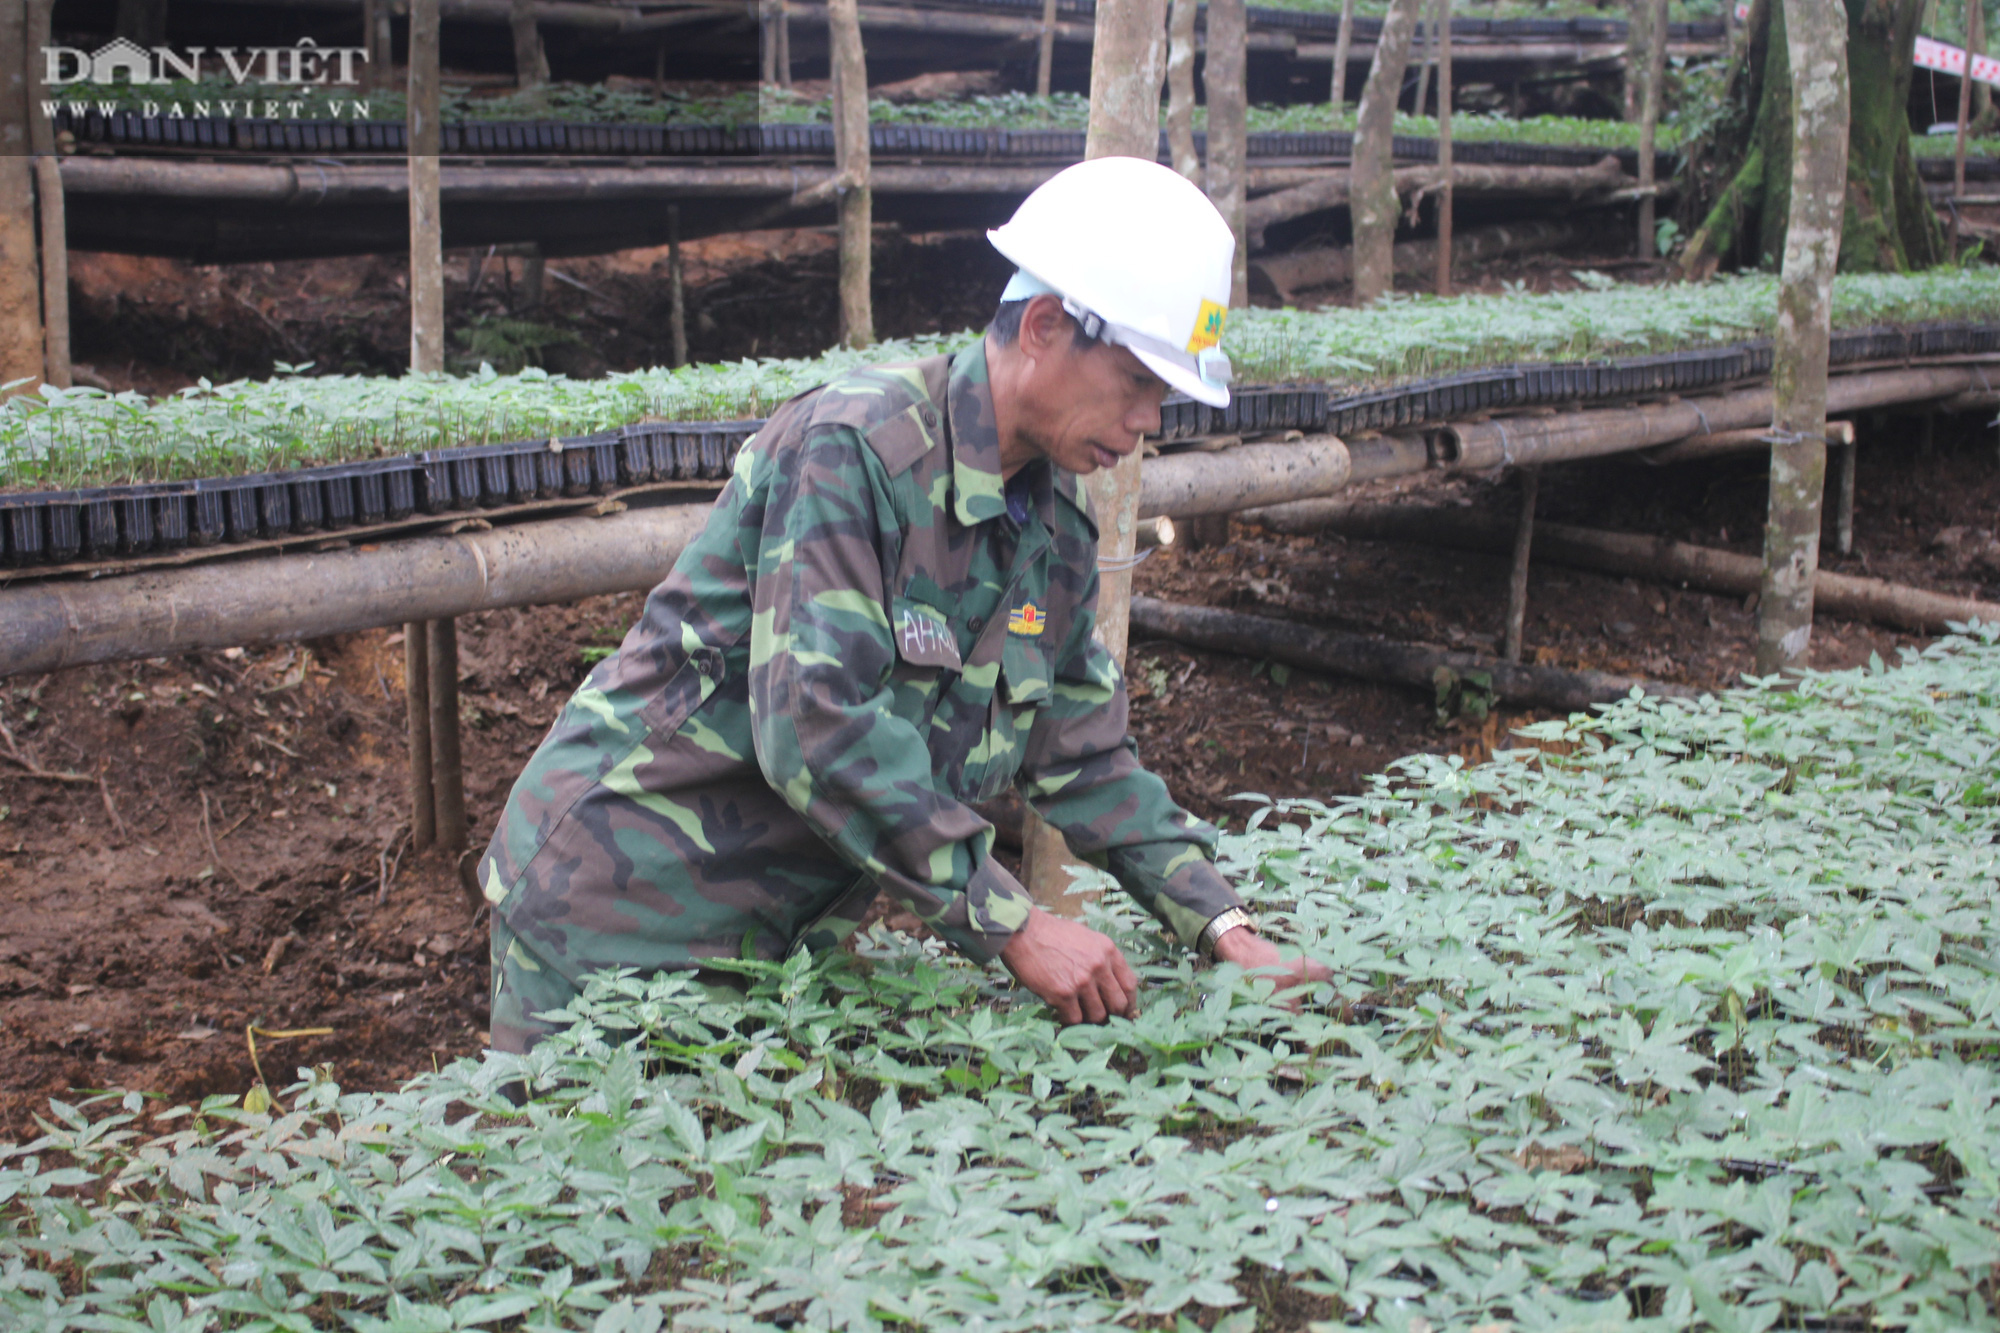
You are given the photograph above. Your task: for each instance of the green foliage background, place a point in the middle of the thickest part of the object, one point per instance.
(1685, 1018)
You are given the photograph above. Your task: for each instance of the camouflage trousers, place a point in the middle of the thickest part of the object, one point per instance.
(527, 983)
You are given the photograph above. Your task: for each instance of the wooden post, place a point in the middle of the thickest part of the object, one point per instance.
(1427, 41)
(1045, 49)
(533, 272)
(1816, 34)
(417, 720)
(1444, 201)
(531, 61)
(1843, 497)
(21, 340)
(1128, 59)
(1342, 44)
(784, 44)
(447, 765)
(1649, 117)
(677, 328)
(1975, 45)
(1228, 131)
(426, 241)
(767, 31)
(377, 39)
(851, 161)
(1180, 90)
(1517, 577)
(49, 207)
(1372, 199)
(1964, 116)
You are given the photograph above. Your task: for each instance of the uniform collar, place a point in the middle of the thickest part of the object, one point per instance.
(978, 493)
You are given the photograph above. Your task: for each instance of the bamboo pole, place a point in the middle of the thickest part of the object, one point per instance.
(1194, 483)
(1045, 49)
(1444, 203)
(676, 288)
(417, 718)
(1228, 131)
(1374, 205)
(1343, 47)
(1517, 576)
(1180, 89)
(1366, 658)
(1649, 117)
(851, 159)
(1816, 38)
(447, 762)
(426, 245)
(21, 333)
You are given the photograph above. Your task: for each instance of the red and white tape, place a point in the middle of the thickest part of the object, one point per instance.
(1940, 56)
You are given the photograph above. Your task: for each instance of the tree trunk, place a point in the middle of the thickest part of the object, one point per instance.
(426, 245)
(1045, 49)
(1228, 130)
(1426, 40)
(1342, 44)
(1442, 280)
(1372, 202)
(531, 62)
(1180, 91)
(1818, 65)
(851, 160)
(1649, 116)
(1741, 176)
(21, 351)
(1638, 21)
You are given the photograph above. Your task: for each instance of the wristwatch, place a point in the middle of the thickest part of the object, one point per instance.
(1219, 925)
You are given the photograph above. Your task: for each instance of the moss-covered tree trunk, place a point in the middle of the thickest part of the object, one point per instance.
(1742, 177)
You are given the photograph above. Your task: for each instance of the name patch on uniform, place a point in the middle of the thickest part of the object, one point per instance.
(1208, 322)
(924, 637)
(1027, 618)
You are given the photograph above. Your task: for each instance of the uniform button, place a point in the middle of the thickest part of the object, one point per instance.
(976, 623)
(930, 417)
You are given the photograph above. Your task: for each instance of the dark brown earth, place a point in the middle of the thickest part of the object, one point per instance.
(226, 847)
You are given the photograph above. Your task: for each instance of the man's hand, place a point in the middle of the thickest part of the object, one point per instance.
(1078, 972)
(1247, 949)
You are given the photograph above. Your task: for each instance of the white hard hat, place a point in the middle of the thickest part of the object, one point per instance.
(1140, 257)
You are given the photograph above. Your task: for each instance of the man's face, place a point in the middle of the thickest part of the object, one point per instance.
(1085, 407)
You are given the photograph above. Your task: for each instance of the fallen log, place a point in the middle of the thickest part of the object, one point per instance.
(47, 626)
(1520, 182)
(1323, 266)
(1184, 485)
(1845, 596)
(1363, 658)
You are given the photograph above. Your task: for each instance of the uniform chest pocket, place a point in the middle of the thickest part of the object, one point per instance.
(1025, 679)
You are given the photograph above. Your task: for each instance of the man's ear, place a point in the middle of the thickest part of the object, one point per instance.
(1044, 327)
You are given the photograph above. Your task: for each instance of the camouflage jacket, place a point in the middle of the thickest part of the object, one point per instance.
(862, 642)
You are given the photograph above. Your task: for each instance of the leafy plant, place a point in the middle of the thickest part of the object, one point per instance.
(1684, 1017)
(510, 344)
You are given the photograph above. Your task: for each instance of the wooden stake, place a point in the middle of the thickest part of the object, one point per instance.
(784, 44)
(1843, 513)
(1180, 89)
(677, 328)
(1045, 49)
(1342, 44)
(1444, 200)
(55, 273)
(1228, 131)
(426, 236)
(852, 157)
(380, 39)
(1816, 35)
(767, 29)
(417, 715)
(1373, 204)
(1427, 40)
(1649, 117)
(447, 766)
(531, 61)
(534, 270)
(1964, 117)
(1517, 578)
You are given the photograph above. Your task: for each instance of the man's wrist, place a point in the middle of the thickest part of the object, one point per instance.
(1233, 918)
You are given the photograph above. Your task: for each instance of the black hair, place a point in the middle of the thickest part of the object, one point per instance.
(1005, 327)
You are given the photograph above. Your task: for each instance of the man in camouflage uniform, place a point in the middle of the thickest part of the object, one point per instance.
(886, 620)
